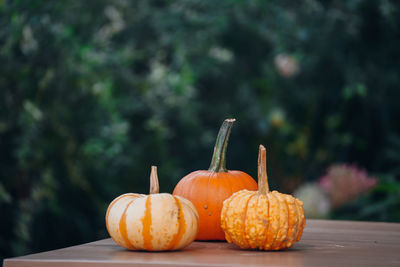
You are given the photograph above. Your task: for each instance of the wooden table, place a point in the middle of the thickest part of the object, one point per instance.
(324, 243)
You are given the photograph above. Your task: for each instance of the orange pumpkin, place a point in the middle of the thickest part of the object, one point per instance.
(208, 189)
(152, 222)
(262, 219)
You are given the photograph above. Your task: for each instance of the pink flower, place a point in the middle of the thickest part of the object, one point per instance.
(344, 183)
(286, 65)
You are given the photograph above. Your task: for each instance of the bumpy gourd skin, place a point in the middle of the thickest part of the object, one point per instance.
(262, 219)
(273, 221)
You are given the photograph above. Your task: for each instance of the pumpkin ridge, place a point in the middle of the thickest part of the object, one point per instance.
(123, 229)
(292, 221)
(225, 206)
(276, 233)
(271, 220)
(228, 203)
(283, 222)
(288, 221)
(301, 222)
(304, 220)
(181, 227)
(246, 234)
(290, 224)
(297, 211)
(244, 219)
(147, 221)
(265, 234)
(112, 204)
(231, 216)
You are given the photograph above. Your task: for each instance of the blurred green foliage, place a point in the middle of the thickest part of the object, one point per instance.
(93, 93)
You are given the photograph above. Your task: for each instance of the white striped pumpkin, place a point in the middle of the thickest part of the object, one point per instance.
(152, 222)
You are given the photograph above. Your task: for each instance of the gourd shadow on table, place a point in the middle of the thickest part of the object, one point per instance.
(217, 252)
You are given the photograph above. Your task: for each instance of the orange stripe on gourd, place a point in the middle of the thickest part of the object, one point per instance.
(138, 225)
(181, 227)
(113, 203)
(123, 230)
(146, 221)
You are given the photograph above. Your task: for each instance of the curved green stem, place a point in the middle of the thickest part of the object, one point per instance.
(218, 159)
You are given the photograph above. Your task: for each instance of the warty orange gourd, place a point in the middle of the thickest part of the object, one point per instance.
(262, 219)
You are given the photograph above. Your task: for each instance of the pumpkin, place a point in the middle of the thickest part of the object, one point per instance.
(207, 189)
(152, 222)
(262, 219)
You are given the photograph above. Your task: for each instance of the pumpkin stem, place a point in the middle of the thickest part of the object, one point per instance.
(154, 188)
(218, 158)
(263, 187)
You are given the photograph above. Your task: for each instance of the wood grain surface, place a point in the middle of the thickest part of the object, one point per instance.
(324, 243)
